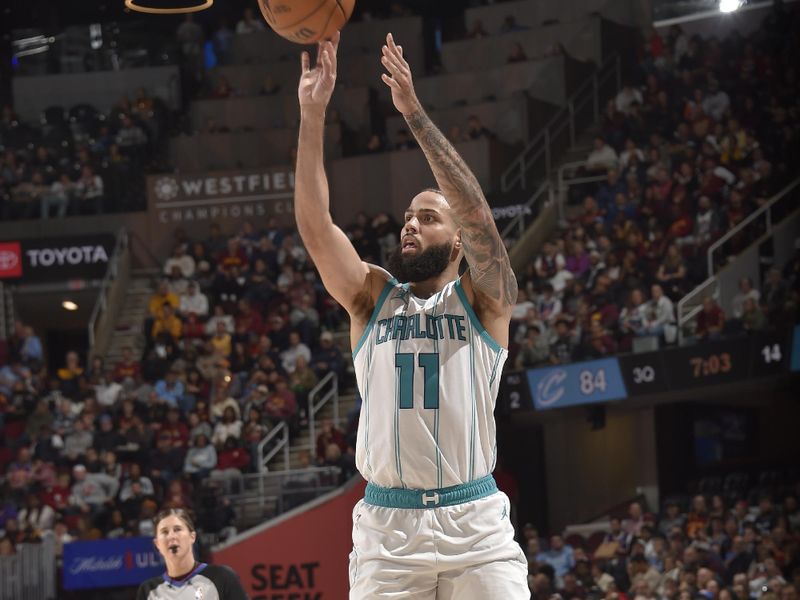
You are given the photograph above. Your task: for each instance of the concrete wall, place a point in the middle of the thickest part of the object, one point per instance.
(589, 471)
(102, 89)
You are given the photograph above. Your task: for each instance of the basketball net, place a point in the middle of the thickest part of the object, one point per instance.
(202, 5)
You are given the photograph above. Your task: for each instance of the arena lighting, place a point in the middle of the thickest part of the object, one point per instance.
(169, 11)
(69, 305)
(729, 6)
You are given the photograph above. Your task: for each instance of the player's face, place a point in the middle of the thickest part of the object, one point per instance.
(427, 222)
(429, 240)
(173, 538)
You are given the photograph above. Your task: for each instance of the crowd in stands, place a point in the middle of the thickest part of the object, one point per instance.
(240, 331)
(79, 161)
(712, 547)
(706, 136)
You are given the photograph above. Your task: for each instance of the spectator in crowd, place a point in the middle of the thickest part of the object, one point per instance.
(92, 492)
(534, 351)
(183, 261)
(560, 557)
(296, 349)
(88, 194)
(193, 302)
(168, 323)
(746, 292)
(162, 297)
(327, 357)
(58, 196)
(602, 158)
(170, 390)
(627, 97)
(710, 320)
(200, 459)
(661, 314)
(329, 434)
(127, 369)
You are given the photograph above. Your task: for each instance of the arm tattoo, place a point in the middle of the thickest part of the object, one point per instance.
(486, 254)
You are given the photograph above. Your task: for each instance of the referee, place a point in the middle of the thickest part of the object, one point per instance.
(185, 578)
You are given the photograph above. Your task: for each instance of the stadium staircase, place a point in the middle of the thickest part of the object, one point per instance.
(127, 330)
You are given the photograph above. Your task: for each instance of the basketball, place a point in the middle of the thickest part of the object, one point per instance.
(306, 21)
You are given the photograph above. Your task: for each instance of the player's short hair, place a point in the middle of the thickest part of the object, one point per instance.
(435, 191)
(181, 513)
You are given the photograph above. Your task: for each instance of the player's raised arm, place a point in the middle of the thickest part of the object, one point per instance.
(489, 267)
(343, 272)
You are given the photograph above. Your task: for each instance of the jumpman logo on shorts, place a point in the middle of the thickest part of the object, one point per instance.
(504, 514)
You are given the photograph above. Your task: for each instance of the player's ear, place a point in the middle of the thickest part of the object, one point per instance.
(457, 243)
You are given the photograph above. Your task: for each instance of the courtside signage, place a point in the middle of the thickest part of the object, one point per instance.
(576, 384)
(110, 563)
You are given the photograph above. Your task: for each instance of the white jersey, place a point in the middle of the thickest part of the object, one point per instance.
(428, 373)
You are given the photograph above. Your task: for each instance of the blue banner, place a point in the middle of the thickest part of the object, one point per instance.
(571, 385)
(110, 563)
(796, 349)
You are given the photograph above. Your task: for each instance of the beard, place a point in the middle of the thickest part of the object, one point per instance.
(422, 266)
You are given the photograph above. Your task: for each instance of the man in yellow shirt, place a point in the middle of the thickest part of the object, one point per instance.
(160, 299)
(222, 340)
(168, 323)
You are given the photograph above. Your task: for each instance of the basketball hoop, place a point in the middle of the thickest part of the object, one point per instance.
(131, 4)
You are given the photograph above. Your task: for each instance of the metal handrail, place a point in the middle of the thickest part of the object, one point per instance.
(766, 208)
(262, 488)
(314, 407)
(281, 445)
(101, 303)
(541, 144)
(519, 221)
(684, 316)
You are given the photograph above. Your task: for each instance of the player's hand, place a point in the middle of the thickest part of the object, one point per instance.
(316, 85)
(399, 77)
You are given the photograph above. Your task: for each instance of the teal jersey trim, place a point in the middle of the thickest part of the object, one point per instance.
(462, 295)
(378, 305)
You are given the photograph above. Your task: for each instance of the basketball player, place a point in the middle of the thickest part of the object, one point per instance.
(429, 348)
(185, 578)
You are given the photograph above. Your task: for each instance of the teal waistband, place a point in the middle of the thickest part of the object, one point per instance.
(456, 494)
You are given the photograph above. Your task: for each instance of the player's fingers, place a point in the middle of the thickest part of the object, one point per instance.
(392, 63)
(393, 69)
(395, 56)
(391, 82)
(327, 66)
(305, 62)
(331, 49)
(335, 40)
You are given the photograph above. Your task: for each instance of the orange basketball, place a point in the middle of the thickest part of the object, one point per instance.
(306, 21)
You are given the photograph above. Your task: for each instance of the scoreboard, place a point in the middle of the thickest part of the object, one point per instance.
(633, 375)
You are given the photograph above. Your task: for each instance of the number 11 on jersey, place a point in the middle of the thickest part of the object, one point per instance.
(429, 362)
